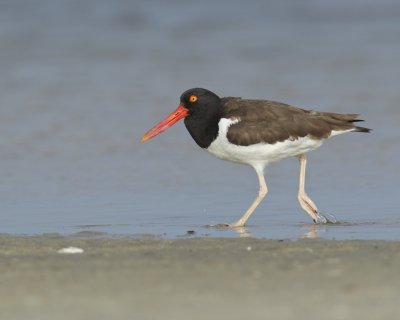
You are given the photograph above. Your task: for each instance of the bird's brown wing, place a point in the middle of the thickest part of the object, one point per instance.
(270, 121)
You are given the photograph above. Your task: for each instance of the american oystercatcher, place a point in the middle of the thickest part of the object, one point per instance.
(257, 133)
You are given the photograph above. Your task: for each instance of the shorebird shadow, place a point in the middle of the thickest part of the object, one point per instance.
(242, 232)
(314, 230)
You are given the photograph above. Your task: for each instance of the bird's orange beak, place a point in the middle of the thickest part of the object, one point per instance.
(180, 113)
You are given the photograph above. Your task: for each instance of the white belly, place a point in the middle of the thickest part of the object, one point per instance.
(260, 154)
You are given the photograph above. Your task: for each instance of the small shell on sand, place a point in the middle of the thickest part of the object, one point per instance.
(71, 250)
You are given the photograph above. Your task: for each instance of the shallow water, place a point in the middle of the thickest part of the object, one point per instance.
(82, 81)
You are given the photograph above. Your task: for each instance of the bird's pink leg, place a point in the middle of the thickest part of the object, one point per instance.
(306, 203)
(261, 194)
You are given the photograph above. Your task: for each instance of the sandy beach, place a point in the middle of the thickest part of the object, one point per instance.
(197, 278)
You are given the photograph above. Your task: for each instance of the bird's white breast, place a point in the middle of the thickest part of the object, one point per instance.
(260, 154)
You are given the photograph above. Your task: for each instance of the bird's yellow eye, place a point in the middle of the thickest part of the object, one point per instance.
(193, 98)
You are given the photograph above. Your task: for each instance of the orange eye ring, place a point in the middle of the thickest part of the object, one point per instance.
(193, 98)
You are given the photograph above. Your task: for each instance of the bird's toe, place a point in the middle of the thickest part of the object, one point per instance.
(324, 218)
(219, 225)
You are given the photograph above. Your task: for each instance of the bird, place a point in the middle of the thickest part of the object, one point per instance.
(257, 133)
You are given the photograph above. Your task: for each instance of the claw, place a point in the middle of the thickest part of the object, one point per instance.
(324, 218)
(226, 225)
(219, 225)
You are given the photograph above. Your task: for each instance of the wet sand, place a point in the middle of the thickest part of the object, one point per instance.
(197, 278)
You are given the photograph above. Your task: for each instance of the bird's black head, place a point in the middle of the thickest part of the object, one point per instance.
(204, 112)
(201, 110)
(199, 101)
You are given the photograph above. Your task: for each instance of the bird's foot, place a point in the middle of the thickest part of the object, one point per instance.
(236, 224)
(219, 225)
(324, 218)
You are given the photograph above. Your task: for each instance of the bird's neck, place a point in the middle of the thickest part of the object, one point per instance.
(204, 127)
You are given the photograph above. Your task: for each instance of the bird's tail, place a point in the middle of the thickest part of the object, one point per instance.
(347, 120)
(361, 129)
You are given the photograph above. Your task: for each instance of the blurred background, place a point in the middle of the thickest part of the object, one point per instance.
(81, 81)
